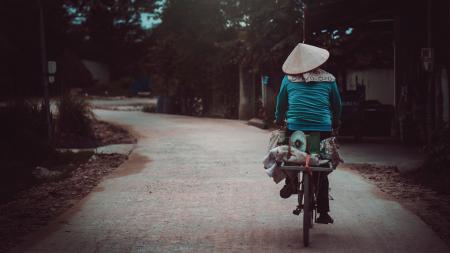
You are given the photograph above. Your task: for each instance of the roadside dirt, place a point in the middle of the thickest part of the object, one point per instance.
(432, 207)
(34, 208)
(105, 133)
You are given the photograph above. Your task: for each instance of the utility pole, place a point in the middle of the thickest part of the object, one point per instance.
(429, 76)
(44, 70)
(304, 16)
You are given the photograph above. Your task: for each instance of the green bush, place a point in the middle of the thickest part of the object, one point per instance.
(23, 131)
(74, 116)
(149, 108)
(24, 144)
(436, 169)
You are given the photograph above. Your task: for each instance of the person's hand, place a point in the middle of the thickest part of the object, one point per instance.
(336, 127)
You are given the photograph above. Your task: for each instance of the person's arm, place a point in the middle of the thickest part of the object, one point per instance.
(282, 102)
(336, 105)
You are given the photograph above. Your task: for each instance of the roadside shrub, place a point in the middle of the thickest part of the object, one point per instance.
(23, 131)
(436, 169)
(74, 116)
(23, 135)
(149, 108)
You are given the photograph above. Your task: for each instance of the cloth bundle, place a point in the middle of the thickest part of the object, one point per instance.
(317, 75)
(329, 151)
(278, 154)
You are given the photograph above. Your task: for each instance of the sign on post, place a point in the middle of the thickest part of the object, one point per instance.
(51, 68)
(427, 56)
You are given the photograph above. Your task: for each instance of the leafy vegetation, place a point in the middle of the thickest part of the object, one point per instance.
(194, 52)
(200, 45)
(24, 146)
(23, 133)
(149, 108)
(107, 31)
(74, 116)
(436, 170)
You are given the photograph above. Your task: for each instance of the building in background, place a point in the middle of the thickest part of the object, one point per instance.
(391, 60)
(100, 72)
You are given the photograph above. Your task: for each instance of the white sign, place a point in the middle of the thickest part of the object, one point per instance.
(51, 67)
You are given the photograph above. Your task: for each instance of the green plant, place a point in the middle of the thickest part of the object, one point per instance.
(74, 116)
(149, 108)
(23, 131)
(24, 144)
(436, 170)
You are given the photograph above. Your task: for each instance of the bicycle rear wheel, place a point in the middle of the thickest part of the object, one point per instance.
(307, 208)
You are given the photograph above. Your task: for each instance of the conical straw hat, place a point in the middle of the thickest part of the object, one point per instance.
(304, 58)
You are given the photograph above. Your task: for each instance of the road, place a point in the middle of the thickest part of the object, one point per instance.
(197, 185)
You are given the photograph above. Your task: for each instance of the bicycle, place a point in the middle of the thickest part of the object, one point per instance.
(306, 192)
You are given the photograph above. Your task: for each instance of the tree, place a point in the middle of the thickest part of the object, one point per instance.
(268, 30)
(104, 30)
(200, 44)
(199, 36)
(109, 30)
(20, 46)
(182, 52)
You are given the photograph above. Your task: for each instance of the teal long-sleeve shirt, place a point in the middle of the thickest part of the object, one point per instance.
(311, 106)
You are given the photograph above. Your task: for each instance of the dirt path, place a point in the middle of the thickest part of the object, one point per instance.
(197, 185)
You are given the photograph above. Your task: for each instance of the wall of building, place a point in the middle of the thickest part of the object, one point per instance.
(379, 83)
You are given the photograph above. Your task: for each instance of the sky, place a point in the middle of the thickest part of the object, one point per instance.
(148, 21)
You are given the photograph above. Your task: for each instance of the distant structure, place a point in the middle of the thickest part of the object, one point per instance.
(100, 72)
(391, 60)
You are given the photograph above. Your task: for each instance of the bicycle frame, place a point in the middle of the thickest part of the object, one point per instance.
(306, 199)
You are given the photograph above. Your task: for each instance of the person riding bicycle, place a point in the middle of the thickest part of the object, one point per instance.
(309, 101)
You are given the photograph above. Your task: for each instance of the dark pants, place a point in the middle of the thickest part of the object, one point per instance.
(321, 183)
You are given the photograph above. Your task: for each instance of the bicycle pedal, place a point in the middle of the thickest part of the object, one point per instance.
(297, 211)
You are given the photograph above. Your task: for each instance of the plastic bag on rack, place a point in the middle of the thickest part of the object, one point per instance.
(329, 150)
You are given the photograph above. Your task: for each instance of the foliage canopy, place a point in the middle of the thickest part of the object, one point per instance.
(199, 42)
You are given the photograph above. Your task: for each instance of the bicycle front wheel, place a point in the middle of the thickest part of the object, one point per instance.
(307, 208)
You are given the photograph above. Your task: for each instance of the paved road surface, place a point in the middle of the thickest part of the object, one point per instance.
(197, 185)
